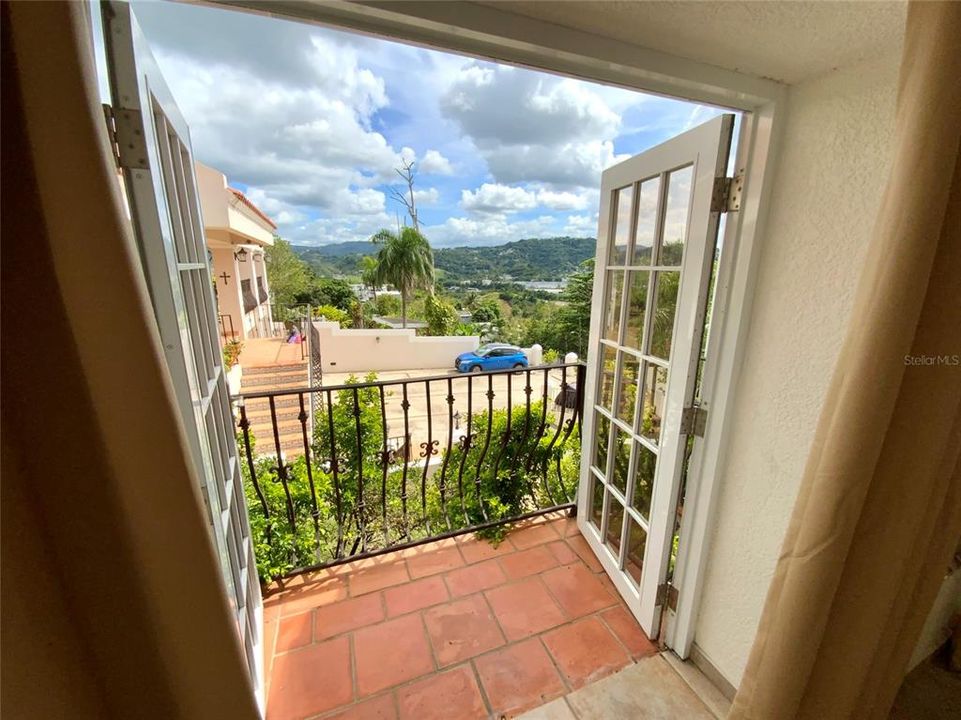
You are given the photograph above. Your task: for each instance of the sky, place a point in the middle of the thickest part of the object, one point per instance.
(311, 124)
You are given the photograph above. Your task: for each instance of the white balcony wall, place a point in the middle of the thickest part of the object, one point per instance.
(361, 351)
(835, 156)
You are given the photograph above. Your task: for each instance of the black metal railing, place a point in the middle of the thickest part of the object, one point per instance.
(380, 465)
(227, 332)
(315, 361)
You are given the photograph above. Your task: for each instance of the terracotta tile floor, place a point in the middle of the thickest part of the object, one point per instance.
(453, 629)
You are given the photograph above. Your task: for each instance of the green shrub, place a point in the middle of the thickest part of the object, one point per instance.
(517, 473)
(333, 314)
(231, 352)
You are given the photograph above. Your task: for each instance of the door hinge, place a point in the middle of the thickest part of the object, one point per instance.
(111, 132)
(727, 193)
(666, 594)
(125, 130)
(694, 420)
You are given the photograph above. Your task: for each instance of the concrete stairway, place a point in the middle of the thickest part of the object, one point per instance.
(287, 407)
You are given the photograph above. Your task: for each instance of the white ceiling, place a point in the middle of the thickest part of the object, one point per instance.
(784, 41)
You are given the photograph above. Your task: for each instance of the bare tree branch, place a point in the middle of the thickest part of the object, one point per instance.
(406, 198)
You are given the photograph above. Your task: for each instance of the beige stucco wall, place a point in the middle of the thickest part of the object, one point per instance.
(212, 188)
(220, 209)
(365, 350)
(834, 159)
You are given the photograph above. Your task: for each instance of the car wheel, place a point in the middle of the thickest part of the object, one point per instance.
(519, 366)
(475, 368)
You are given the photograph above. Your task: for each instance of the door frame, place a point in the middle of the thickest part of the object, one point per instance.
(497, 34)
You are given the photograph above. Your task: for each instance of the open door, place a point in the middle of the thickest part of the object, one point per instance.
(154, 155)
(655, 249)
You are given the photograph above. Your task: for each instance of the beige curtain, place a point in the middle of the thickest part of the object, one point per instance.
(879, 511)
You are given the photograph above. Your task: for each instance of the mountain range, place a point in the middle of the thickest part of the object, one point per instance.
(530, 259)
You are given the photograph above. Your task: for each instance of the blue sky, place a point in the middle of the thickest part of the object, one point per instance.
(311, 123)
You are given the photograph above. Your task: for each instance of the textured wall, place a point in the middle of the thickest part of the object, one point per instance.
(834, 160)
(362, 351)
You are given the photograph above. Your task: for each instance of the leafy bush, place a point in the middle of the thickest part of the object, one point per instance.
(278, 547)
(387, 305)
(519, 471)
(231, 352)
(333, 314)
(327, 291)
(441, 316)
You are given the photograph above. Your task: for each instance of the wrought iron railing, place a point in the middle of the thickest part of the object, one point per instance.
(394, 463)
(315, 363)
(227, 332)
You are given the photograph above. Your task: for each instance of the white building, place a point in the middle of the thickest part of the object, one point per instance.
(237, 233)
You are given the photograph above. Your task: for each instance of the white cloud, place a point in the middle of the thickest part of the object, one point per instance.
(429, 196)
(562, 200)
(581, 225)
(493, 198)
(490, 230)
(312, 124)
(324, 231)
(572, 165)
(487, 101)
(534, 128)
(435, 164)
(301, 147)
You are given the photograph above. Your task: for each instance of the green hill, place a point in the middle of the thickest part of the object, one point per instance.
(531, 259)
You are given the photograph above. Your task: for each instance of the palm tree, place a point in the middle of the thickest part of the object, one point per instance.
(406, 261)
(368, 273)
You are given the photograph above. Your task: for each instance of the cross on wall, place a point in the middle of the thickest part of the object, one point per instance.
(225, 277)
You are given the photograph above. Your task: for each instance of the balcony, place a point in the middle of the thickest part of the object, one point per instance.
(341, 472)
(456, 628)
(418, 550)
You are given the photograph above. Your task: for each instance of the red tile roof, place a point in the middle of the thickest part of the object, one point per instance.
(243, 198)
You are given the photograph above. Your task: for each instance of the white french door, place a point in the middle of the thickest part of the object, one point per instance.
(153, 144)
(655, 248)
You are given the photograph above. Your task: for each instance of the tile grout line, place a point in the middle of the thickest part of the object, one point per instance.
(550, 594)
(352, 659)
(497, 622)
(481, 688)
(571, 707)
(560, 673)
(430, 642)
(600, 618)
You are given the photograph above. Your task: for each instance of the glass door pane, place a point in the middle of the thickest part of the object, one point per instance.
(653, 249)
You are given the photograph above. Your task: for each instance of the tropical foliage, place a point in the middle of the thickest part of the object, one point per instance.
(293, 282)
(509, 467)
(231, 351)
(406, 261)
(333, 314)
(441, 316)
(530, 259)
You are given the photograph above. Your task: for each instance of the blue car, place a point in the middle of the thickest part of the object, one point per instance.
(495, 356)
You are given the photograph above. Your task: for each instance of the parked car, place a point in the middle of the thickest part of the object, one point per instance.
(495, 356)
